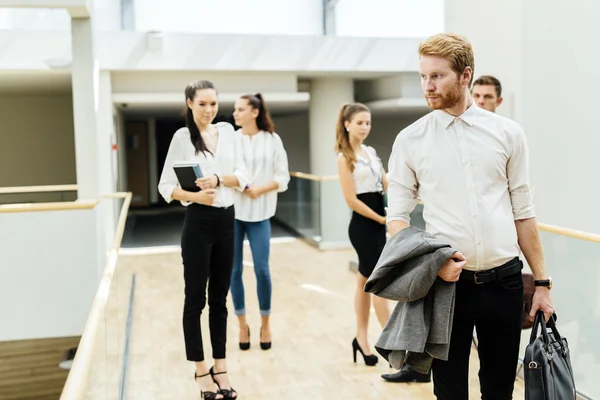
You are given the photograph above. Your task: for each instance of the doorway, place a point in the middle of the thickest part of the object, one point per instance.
(137, 155)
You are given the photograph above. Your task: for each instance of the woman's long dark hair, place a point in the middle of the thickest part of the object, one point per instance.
(190, 93)
(263, 120)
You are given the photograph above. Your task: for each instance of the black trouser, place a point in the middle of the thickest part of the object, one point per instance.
(496, 311)
(207, 251)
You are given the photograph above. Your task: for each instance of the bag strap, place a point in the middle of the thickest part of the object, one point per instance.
(552, 325)
(540, 320)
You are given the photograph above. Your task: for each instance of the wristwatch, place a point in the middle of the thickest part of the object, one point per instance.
(544, 283)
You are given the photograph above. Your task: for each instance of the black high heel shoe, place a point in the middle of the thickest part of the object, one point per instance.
(208, 395)
(370, 359)
(246, 346)
(227, 393)
(264, 345)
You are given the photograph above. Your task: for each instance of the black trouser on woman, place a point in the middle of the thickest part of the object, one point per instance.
(207, 252)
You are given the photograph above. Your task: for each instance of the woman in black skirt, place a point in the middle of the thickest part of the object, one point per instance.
(363, 183)
(207, 237)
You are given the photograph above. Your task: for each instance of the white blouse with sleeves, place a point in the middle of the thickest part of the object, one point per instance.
(227, 160)
(266, 161)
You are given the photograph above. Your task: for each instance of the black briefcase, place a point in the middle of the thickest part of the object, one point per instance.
(548, 372)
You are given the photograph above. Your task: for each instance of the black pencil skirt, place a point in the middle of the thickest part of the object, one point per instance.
(368, 236)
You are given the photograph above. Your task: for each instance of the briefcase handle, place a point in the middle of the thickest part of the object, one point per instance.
(540, 320)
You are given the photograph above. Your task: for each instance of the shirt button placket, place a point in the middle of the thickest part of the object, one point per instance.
(470, 180)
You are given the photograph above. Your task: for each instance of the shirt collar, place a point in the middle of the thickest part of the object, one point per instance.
(468, 116)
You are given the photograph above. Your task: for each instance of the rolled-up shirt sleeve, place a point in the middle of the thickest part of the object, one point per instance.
(402, 188)
(517, 168)
(239, 166)
(281, 172)
(168, 179)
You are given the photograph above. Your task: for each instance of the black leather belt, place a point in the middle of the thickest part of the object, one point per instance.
(512, 267)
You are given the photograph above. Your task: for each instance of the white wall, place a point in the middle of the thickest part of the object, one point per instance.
(107, 16)
(289, 17)
(36, 140)
(293, 130)
(48, 273)
(560, 110)
(389, 18)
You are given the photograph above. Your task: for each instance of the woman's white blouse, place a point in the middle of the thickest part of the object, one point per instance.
(368, 173)
(227, 160)
(266, 161)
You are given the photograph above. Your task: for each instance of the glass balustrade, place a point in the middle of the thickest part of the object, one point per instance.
(40, 197)
(573, 265)
(298, 208)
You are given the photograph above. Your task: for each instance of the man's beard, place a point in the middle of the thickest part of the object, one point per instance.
(449, 100)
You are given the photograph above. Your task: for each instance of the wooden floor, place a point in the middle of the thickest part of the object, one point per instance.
(312, 323)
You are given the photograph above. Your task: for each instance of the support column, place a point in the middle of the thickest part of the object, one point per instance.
(327, 96)
(495, 31)
(92, 165)
(84, 76)
(105, 134)
(108, 209)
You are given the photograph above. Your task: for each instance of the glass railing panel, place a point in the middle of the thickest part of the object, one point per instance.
(25, 198)
(100, 367)
(298, 208)
(573, 265)
(115, 314)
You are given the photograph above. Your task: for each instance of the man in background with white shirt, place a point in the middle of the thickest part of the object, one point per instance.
(487, 92)
(470, 168)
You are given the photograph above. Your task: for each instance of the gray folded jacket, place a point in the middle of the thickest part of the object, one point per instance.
(420, 326)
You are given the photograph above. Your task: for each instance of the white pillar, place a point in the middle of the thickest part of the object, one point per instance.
(105, 137)
(106, 134)
(91, 148)
(84, 76)
(326, 97)
(495, 31)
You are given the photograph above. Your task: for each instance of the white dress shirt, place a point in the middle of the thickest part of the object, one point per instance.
(266, 160)
(472, 174)
(227, 160)
(368, 172)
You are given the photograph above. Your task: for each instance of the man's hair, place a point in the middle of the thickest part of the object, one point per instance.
(455, 48)
(490, 80)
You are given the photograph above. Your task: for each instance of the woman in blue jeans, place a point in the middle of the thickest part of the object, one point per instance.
(267, 163)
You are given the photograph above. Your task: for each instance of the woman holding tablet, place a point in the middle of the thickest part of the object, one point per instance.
(207, 236)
